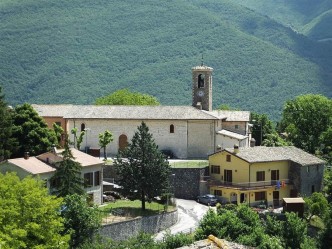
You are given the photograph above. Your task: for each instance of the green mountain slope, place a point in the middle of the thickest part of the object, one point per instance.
(320, 27)
(300, 15)
(59, 51)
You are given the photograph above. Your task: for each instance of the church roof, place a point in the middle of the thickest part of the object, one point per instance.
(270, 154)
(123, 112)
(231, 115)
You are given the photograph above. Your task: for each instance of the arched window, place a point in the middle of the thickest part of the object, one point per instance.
(201, 81)
(123, 142)
(82, 127)
(171, 128)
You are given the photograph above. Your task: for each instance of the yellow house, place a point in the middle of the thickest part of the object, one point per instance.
(263, 175)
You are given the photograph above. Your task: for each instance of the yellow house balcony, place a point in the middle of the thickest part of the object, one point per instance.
(249, 185)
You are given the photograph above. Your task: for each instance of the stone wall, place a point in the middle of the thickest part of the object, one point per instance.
(150, 224)
(186, 182)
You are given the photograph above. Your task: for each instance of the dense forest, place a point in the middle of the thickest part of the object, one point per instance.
(59, 51)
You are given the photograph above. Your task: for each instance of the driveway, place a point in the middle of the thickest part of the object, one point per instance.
(190, 213)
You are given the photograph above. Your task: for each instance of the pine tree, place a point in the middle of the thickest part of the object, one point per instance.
(31, 132)
(67, 177)
(142, 168)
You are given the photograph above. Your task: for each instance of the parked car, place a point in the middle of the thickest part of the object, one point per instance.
(168, 154)
(208, 199)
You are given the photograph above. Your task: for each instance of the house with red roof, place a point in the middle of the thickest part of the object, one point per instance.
(44, 166)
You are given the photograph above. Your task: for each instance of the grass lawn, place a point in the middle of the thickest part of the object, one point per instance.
(133, 208)
(188, 163)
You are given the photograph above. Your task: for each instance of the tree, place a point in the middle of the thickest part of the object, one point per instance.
(125, 97)
(7, 143)
(226, 107)
(67, 177)
(80, 220)
(294, 231)
(77, 139)
(274, 140)
(142, 168)
(31, 132)
(29, 216)
(58, 130)
(304, 119)
(262, 127)
(325, 237)
(326, 145)
(317, 205)
(104, 139)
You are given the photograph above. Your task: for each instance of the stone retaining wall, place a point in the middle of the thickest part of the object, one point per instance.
(130, 228)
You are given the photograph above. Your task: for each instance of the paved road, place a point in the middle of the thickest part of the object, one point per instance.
(190, 213)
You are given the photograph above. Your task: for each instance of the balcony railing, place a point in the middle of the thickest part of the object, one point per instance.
(249, 185)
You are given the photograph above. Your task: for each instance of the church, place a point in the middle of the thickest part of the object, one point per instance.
(185, 131)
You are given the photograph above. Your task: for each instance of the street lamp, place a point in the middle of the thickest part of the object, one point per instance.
(86, 139)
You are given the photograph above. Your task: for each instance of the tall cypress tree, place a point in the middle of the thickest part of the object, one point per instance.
(67, 177)
(142, 168)
(6, 141)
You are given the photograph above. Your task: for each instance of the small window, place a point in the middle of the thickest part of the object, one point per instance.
(228, 158)
(58, 123)
(88, 180)
(82, 127)
(54, 182)
(236, 127)
(260, 176)
(260, 196)
(217, 192)
(308, 170)
(97, 178)
(171, 128)
(215, 169)
(313, 189)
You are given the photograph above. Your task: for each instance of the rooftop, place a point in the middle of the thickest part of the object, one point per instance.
(123, 112)
(79, 156)
(232, 134)
(269, 154)
(40, 164)
(32, 165)
(231, 115)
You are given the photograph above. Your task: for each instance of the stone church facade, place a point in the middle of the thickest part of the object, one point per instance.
(187, 131)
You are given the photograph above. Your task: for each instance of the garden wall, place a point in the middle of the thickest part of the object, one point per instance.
(187, 182)
(150, 224)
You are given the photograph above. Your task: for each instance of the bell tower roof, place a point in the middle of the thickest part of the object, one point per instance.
(202, 68)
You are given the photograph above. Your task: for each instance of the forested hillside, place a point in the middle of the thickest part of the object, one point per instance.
(58, 51)
(312, 18)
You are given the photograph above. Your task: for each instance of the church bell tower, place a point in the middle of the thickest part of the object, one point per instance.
(202, 87)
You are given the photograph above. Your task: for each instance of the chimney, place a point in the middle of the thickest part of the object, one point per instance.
(252, 142)
(236, 148)
(54, 150)
(26, 155)
(218, 147)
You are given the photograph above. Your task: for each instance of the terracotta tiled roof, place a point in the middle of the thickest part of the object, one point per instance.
(269, 154)
(80, 157)
(123, 112)
(32, 165)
